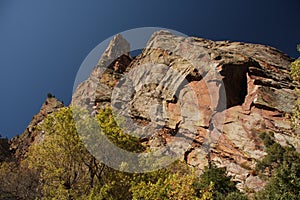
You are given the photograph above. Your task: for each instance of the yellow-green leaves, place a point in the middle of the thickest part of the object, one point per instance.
(169, 186)
(115, 134)
(295, 68)
(295, 73)
(59, 157)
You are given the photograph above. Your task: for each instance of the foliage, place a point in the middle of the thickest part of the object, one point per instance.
(267, 138)
(49, 95)
(115, 134)
(175, 182)
(60, 157)
(216, 178)
(295, 73)
(66, 170)
(18, 182)
(236, 196)
(295, 68)
(274, 155)
(284, 165)
(115, 185)
(174, 186)
(296, 112)
(183, 183)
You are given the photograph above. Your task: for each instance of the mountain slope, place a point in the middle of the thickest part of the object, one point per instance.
(207, 101)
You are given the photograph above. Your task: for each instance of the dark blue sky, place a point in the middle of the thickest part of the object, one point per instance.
(43, 43)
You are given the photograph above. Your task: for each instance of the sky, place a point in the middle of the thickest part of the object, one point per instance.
(44, 42)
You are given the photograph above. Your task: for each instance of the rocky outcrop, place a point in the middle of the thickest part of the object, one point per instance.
(98, 87)
(208, 101)
(221, 95)
(19, 145)
(258, 89)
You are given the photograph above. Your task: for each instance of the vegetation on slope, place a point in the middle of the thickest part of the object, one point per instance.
(60, 167)
(295, 73)
(282, 164)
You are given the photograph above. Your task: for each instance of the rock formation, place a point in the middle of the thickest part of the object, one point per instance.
(112, 62)
(19, 145)
(217, 97)
(221, 94)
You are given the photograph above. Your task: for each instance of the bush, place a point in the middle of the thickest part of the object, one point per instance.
(295, 74)
(49, 95)
(236, 196)
(284, 165)
(214, 183)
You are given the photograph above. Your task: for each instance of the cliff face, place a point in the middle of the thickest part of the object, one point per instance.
(221, 94)
(259, 92)
(216, 97)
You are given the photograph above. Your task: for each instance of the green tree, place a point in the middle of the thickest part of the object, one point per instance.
(114, 184)
(49, 95)
(272, 160)
(115, 134)
(60, 158)
(180, 182)
(283, 164)
(236, 196)
(284, 183)
(68, 171)
(216, 177)
(295, 68)
(175, 182)
(295, 73)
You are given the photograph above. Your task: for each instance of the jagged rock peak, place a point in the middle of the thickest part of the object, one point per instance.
(19, 145)
(115, 59)
(117, 47)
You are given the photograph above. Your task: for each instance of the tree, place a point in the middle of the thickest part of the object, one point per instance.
(175, 182)
(60, 158)
(274, 157)
(113, 184)
(18, 182)
(295, 73)
(215, 181)
(66, 170)
(180, 182)
(285, 181)
(115, 134)
(284, 166)
(295, 68)
(49, 95)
